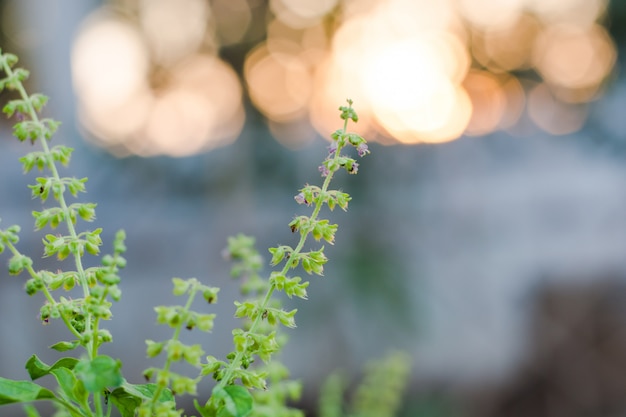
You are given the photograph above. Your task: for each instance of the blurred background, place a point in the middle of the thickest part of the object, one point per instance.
(487, 232)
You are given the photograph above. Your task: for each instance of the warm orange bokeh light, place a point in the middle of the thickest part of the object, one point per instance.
(301, 13)
(112, 52)
(573, 57)
(488, 101)
(199, 109)
(417, 70)
(491, 14)
(552, 115)
(279, 83)
(196, 107)
(408, 77)
(173, 28)
(577, 12)
(408, 90)
(493, 46)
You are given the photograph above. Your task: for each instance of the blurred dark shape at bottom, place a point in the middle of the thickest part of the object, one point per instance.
(576, 363)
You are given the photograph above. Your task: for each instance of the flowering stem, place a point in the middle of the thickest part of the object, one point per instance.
(92, 346)
(236, 362)
(175, 337)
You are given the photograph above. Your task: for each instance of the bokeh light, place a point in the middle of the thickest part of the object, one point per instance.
(189, 103)
(279, 83)
(173, 28)
(418, 71)
(301, 13)
(552, 115)
(575, 58)
(491, 14)
(112, 52)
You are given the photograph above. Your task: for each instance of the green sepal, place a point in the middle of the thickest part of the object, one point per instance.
(9, 236)
(33, 130)
(86, 211)
(311, 193)
(9, 60)
(279, 253)
(18, 262)
(209, 293)
(291, 286)
(170, 315)
(34, 159)
(181, 286)
(153, 348)
(339, 198)
(286, 318)
(322, 229)
(12, 81)
(246, 309)
(355, 139)
(211, 366)
(184, 385)
(313, 262)
(204, 322)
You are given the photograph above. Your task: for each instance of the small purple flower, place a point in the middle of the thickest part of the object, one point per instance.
(362, 149)
(354, 168)
(300, 199)
(332, 148)
(324, 170)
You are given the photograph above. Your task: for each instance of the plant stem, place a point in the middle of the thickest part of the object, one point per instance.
(92, 346)
(236, 362)
(168, 362)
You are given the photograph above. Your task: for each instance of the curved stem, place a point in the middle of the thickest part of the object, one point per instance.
(236, 362)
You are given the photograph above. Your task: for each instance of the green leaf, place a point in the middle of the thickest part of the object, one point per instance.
(128, 397)
(36, 368)
(65, 346)
(22, 392)
(99, 373)
(71, 387)
(235, 401)
(31, 411)
(125, 402)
